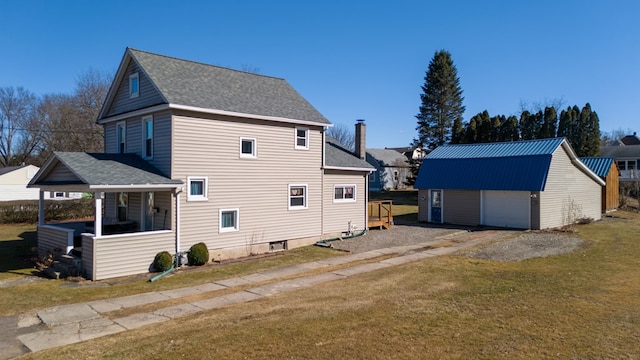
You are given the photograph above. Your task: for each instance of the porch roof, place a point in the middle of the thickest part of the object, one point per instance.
(101, 172)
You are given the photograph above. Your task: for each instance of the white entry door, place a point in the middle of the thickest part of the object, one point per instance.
(506, 209)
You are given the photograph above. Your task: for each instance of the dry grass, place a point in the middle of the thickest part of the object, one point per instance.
(16, 243)
(21, 298)
(582, 305)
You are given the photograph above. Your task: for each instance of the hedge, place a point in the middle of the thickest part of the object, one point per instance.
(26, 211)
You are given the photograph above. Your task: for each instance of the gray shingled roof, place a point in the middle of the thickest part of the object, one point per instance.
(337, 156)
(388, 157)
(620, 151)
(8, 169)
(97, 169)
(189, 83)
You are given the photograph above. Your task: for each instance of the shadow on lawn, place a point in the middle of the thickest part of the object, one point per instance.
(16, 254)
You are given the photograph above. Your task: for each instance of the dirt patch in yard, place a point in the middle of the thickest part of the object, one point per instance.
(528, 245)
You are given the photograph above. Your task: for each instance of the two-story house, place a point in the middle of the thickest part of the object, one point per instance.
(626, 152)
(200, 153)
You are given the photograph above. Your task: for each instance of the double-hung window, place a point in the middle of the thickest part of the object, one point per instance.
(121, 129)
(229, 220)
(197, 188)
(147, 141)
(302, 138)
(297, 196)
(344, 193)
(134, 85)
(248, 147)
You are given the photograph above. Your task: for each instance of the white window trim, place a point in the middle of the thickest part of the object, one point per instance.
(145, 120)
(306, 136)
(343, 200)
(236, 227)
(306, 197)
(131, 78)
(203, 197)
(121, 124)
(254, 148)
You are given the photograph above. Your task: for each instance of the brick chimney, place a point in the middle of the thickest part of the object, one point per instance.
(361, 139)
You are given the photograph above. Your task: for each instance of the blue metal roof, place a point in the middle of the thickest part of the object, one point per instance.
(516, 173)
(600, 166)
(493, 150)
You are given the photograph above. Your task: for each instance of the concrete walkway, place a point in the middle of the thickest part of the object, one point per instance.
(69, 324)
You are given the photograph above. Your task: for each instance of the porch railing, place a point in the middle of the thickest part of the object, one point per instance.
(380, 214)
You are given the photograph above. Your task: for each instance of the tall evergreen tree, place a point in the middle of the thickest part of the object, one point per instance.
(549, 123)
(457, 132)
(441, 102)
(509, 129)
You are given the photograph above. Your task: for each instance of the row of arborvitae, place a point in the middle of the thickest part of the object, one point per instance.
(198, 255)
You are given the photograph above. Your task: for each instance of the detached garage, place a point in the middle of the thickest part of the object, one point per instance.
(534, 184)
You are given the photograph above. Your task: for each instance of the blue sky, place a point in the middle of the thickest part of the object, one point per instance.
(351, 59)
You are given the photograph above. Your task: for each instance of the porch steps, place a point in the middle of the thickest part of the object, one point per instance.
(65, 266)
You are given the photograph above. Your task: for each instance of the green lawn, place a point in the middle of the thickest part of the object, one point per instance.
(582, 305)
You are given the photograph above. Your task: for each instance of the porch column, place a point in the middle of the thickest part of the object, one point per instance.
(41, 208)
(97, 224)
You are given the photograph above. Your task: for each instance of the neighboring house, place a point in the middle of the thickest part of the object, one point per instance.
(607, 170)
(412, 153)
(14, 181)
(627, 158)
(392, 169)
(200, 153)
(533, 184)
(627, 140)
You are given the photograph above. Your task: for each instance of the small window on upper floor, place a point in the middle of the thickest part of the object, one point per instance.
(302, 138)
(134, 85)
(147, 140)
(248, 148)
(121, 129)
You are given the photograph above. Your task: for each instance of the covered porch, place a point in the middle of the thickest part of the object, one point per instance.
(136, 213)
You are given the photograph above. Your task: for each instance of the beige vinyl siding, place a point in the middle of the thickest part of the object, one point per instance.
(61, 173)
(461, 207)
(110, 206)
(88, 255)
(54, 239)
(127, 254)
(161, 142)
(110, 138)
(567, 183)
(162, 219)
(122, 103)
(134, 136)
(336, 215)
(257, 187)
(134, 213)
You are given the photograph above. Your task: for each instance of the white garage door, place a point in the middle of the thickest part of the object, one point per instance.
(506, 209)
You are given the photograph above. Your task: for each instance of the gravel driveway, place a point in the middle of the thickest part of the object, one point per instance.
(498, 245)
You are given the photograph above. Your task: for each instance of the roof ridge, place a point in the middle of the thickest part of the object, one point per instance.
(203, 63)
(507, 142)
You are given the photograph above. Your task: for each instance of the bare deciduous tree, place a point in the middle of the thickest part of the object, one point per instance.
(17, 116)
(343, 134)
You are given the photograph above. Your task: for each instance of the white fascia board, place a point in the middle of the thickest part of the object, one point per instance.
(349, 168)
(65, 188)
(248, 116)
(113, 188)
(135, 113)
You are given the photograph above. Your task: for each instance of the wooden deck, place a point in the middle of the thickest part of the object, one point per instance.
(380, 214)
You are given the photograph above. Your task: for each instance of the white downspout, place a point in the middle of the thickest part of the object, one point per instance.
(178, 191)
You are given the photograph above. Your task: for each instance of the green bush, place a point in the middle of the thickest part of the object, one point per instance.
(198, 254)
(163, 261)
